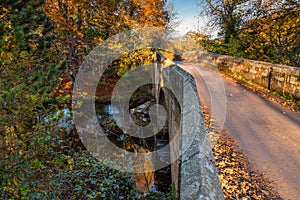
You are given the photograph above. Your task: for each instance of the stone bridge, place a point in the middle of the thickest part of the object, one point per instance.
(267, 132)
(194, 174)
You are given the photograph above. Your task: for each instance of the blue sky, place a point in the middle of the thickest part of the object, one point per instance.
(187, 12)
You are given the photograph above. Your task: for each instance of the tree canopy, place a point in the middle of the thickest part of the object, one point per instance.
(42, 44)
(255, 29)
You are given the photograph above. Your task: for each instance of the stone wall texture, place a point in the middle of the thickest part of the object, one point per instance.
(194, 174)
(277, 78)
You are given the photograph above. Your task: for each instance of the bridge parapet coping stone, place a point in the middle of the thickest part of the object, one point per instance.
(194, 175)
(278, 78)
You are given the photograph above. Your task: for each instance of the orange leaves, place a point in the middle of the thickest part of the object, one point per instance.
(68, 85)
(237, 179)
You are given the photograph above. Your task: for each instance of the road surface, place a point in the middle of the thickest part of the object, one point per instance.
(268, 133)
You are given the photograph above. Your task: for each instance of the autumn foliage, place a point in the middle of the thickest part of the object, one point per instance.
(259, 30)
(42, 44)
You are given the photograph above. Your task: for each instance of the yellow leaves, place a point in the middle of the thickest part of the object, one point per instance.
(263, 34)
(237, 179)
(271, 36)
(70, 162)
(286, 27)
(15, 182)
(221, 164)
(6, 38)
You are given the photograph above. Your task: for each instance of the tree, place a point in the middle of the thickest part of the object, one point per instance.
(81, 25)
(261, 30)
(225, 14)
(37, 43)
(29, 74)
(35, 161)
(274, 35)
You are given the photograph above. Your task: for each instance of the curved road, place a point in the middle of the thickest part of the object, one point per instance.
(268, 133)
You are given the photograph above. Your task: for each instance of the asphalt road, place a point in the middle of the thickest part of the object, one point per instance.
(267, 133)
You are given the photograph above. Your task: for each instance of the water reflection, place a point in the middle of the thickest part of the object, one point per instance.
(149, 181)
(105, 112)
(108, 117)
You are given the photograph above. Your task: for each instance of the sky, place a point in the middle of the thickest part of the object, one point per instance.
(188, 12)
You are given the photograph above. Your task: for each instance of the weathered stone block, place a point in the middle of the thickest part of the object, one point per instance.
(194, 174)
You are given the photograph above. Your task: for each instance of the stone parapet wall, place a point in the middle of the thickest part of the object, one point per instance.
(277, 78)
(194, 174)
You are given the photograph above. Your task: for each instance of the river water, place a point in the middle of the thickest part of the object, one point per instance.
(108, 116)
(159, 180)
